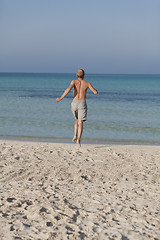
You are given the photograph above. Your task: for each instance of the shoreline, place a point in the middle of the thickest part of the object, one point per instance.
(84, 141)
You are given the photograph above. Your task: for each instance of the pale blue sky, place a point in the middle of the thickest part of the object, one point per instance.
(101, 36)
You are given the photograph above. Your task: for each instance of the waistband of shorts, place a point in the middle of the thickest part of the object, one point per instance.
(79, 100)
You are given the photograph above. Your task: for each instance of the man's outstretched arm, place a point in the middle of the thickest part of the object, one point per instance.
(66, 91)
(92, 89)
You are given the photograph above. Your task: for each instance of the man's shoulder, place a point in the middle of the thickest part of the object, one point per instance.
(87, 83)
(73, 81)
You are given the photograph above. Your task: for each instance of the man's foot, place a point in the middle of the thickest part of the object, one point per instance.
(74, 139)
(78, 143)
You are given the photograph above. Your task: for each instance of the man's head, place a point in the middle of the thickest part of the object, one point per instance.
(80, 73)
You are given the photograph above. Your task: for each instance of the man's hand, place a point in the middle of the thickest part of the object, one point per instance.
(58, 99)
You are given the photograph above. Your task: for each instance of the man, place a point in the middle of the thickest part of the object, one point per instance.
(78, 106)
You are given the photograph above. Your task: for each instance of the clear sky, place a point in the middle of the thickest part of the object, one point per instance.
(101, 36)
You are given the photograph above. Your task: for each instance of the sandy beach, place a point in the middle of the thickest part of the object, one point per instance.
(96, 192)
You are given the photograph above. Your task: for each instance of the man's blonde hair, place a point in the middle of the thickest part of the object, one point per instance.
(80, 73)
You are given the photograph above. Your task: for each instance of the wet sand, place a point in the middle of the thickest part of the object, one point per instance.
(59, 191)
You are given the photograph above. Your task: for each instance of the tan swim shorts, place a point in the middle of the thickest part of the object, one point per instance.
(79, 109)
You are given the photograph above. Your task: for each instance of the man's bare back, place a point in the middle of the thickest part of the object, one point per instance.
(80, 89)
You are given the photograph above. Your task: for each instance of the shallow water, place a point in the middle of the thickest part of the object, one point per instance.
(126, 108)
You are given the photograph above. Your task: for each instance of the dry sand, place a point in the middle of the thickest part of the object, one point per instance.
(59, 191)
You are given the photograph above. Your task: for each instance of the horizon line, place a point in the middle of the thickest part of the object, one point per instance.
(15, 72)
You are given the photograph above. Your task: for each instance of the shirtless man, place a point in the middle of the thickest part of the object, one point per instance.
(78, 106)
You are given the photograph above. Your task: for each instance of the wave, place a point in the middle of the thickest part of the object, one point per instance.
(123, 128)
(53, 124)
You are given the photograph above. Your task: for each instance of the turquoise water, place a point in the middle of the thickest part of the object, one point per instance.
(126, 108)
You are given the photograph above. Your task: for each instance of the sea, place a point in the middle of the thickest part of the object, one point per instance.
(126, 109)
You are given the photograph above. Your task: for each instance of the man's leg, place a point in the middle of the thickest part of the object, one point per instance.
(80, 130)
(75, 130)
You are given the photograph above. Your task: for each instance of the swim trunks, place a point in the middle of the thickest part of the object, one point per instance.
(79, 109)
